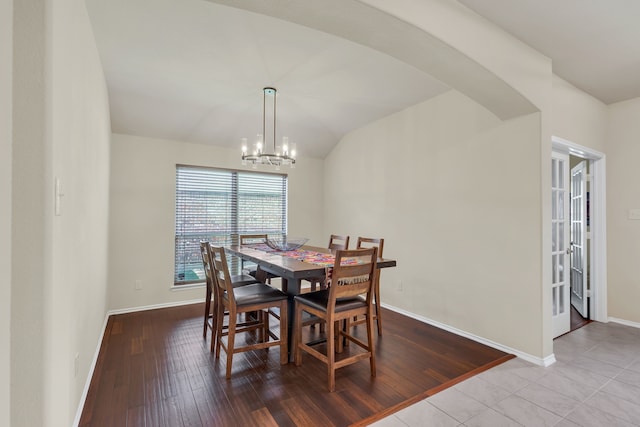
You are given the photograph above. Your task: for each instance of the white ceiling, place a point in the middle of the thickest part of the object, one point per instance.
(594, 44)
(194, 70)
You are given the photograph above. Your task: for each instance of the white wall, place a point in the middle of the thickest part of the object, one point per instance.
(142, 213)
(79, 136)
(623, 234)
(578, 117)
(61, 128)
(29, 235)
(455, 192)
(6, 81)
(524, 69)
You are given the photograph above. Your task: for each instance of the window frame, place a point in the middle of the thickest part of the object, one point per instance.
(234, 222)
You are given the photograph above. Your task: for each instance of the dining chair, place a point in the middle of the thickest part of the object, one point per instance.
(367, 242)
(209, 310)
(258, 297)
(252, 239)
(336, 243)
(349, 294)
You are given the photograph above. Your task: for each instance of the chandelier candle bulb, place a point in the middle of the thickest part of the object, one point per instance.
(244, 150)
(259, 144)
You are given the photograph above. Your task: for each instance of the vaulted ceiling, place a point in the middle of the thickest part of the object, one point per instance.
(193, 70)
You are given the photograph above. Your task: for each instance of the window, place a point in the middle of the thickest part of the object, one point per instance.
(217, 205)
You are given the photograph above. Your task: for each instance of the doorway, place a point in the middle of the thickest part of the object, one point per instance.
(587, 231)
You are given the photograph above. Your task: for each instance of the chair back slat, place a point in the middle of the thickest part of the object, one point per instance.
(353, 274)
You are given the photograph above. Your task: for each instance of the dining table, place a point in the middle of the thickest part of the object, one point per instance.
(306, 262)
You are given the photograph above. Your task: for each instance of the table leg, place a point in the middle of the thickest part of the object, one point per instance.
(292, 288)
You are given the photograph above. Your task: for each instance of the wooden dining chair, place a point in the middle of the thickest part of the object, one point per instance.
(210, 309)
(368, 242)
(258, 297)
(252, 239)
(336, 243)
(350, 294)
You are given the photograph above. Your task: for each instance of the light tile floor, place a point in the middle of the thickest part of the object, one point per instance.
(595, 382)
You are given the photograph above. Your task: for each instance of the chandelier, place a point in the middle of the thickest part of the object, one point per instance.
(282, 154)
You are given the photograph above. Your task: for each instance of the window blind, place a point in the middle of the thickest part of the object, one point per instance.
(217, 205)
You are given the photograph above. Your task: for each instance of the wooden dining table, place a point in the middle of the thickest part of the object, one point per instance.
(291, 270)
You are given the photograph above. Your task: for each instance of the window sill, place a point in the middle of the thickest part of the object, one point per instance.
(178, 288)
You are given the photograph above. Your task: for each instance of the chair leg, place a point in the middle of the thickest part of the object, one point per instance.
(338, 334)
(346, 327)
(265, 326)
(214, 325)
(372, 353)
(297, 334)
(263, 318)
(220, 324)
(231, 336)
(378, 308)
(331, 355)
(284, 333)
(207, 313)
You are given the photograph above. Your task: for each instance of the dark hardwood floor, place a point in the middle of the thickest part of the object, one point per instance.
(155, 369)
(577, 321)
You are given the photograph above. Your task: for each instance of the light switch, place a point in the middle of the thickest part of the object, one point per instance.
(634, 213)
(58, 197)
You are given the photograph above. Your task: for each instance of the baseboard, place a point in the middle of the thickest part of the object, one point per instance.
(624, 322)
(92, 368)
(549, 360)
(153, 306)
(87, 384)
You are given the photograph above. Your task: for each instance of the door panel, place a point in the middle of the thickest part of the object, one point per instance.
(560, 244)
(579, 238)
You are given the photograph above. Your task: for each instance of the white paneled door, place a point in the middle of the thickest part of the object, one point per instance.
(579, 238)
(560, 247)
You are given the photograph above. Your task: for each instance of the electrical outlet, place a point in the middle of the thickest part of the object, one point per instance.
(76, 364)
(634, 213)
(138, 285)
(399, 286)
